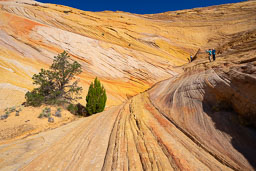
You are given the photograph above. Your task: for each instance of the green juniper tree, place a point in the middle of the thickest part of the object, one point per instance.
(54, 84)
(96, 98)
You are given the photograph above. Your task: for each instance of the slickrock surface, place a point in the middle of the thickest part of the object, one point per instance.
(133, 136)
(128, 137)
(193, 120)
(209, 101)
(206, 106)
(128, 52)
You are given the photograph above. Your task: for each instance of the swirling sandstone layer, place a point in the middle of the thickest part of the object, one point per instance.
(201, 117)
(139, 136)
(128, 52)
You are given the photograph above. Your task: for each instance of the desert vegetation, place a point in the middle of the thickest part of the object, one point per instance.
(45, 113)
(54, 84)
(164, 113)
(10, 110)
(96, 98)
(55, 87)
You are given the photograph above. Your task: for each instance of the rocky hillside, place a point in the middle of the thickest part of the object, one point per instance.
(182, 116)
(128, 52)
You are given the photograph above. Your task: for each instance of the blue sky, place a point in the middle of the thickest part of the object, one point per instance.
(138, 6)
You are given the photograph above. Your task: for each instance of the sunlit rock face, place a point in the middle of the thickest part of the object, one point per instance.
(33, 33)
(208, 106)
(163, 112)
(128, 52)
(214, 103)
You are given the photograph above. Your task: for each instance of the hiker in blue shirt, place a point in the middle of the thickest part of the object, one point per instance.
(191, 58)
(209, 51)
(213, 54)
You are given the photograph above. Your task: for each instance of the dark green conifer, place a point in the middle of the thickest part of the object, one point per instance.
(96, 98)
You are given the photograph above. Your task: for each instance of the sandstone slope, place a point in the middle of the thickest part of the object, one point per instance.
(128, 52)
(193, 120)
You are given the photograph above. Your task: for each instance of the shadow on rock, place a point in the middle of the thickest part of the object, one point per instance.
(227, 120)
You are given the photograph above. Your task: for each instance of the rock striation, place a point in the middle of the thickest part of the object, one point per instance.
(128, 52)
(163, 112)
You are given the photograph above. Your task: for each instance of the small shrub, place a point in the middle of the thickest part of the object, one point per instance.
(58, 112)
(72, 108)
(9, 110)
(41, 115)
(47, 110)
(46, 113)
(12, 109)
(7, 113)
(51, 119)
(4, 117)
(34, 99)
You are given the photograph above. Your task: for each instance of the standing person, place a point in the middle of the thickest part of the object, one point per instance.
(191, 58)
(209, 51)
(213, 54)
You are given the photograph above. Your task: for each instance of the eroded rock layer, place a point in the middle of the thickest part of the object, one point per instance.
(203, 106)
(137, 136)
(128, 52)
(201, 117)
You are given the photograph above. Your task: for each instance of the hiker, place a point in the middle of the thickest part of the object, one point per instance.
(191, 58)
(213, 54)
(209, 51)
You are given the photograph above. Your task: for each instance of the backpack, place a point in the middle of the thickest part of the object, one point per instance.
(213, 52)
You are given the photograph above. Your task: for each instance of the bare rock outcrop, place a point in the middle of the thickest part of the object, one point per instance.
(201, 117)
(212, 107)
(128, 52)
